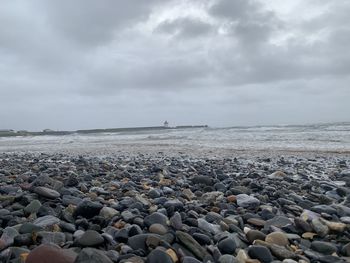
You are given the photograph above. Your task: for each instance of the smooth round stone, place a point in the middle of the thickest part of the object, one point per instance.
(32, 207)
(108, 212)
(278, 221)
(324, 209)
(205, 180)
(46, 192)
(323, 247)
(202, 239)
(90, 238)
(227, 246)
(321, 229)
(51, 254)
(139, 241)
(345, 219)
(158, 229)
(176, 221)
(277, 238)
(87, 209)
(256, 222)
(91, 255)
(253, 235)
(247, 201)
(261, 253)
(46, 221)
(158, 256)
(228, 259)
(156, 218)
(153, 193)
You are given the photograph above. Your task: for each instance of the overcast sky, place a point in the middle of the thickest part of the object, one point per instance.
(113, 63)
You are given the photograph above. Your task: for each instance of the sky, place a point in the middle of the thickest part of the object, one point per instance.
(68, 65)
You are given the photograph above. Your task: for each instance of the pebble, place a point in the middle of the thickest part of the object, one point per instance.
(261, 253)
(277, 238)
(158, 256)
(51, 254)
(46, 192)
(90, 238)
(246, 201)
(91, 255)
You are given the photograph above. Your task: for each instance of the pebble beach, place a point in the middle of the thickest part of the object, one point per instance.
(155, 206)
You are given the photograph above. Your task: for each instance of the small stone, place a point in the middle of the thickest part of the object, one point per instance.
(46, 192)
(308, 235)
(261, 253)
(87, 209)
(158, 256)
(253, 235)
(90, 238)
(227, 246)
(7, 237)
(176, 221)
(45, 237)
(46, 221)
(158, 229)
(277, 238)
(320, 228)
(256, 222)
(324, 247)
(172, 254)
(246, 201)
(108, 212)
(231, 199)
(191, 244)
(277, 175)
(156, 218)
(32, 207)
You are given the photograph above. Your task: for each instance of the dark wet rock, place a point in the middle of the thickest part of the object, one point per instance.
(205, 180)
(33, 207)
(139, 241)
(87, 209)
(261, 253)
(254, 235)
(202, 239)
(324, 247)
(90, 238)
(227, 246)
(191, 244)
(158, 256)
(29, 228)
(324, 209)
(7, 237)
(156, 218)
(91, 255)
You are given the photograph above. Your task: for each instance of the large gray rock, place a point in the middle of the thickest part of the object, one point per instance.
(247, 201)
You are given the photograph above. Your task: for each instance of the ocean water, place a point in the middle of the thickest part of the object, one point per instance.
(334, 137)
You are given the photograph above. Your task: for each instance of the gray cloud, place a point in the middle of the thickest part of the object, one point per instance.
(80, 64)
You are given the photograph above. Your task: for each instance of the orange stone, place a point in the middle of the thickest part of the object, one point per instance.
(231, 199)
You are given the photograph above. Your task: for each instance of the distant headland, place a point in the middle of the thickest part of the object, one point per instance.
(11, 133)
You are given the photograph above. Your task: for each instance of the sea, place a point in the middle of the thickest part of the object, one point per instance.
(329, 137)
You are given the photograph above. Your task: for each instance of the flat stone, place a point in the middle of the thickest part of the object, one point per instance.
(156, 218)
(46, 192)
(32, 207)
(191, 244)
(247, 201)
(277, 238)
(90, 238)
(46, 221)
(158, 229)
(261, 253)
(253, 235)
(323, 247)
(57, 238)
(108, 212)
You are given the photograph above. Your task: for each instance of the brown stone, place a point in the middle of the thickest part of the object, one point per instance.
(277, 238)
(232, 199)
(50, 254)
